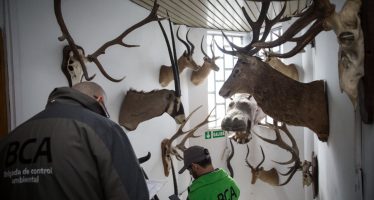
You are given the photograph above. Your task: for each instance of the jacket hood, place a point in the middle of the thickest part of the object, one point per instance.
(207, 179)
(67, 93)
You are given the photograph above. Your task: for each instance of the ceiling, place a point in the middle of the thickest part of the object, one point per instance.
(223, 15)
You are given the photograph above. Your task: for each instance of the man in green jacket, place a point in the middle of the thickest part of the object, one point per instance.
(209, 183)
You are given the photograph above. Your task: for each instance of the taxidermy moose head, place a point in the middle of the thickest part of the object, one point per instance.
(209, 64)
(282, 98)
(79, 54)
(347, 26)
(138, 107)
(241, 116)
(184, 61)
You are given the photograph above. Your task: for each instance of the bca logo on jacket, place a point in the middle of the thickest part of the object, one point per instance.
(229, 192)
(16, 151)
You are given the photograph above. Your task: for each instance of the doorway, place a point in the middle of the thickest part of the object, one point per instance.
(4, 100)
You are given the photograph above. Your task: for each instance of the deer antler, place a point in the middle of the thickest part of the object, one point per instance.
(94, 57)
(181, 146)
(269, 176)
(256, 30)
(293, 149)
(318, 11)
(166, 145)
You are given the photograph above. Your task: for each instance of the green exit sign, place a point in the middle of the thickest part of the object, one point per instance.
(214, 134)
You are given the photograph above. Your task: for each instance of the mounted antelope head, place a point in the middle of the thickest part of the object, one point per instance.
(242, 115)
(288, 70)
(284, 99)
(184, 61)
(81, 58)
(268, 176)
(140, 106)
(209, 64)
(347, 26)
(167, 150)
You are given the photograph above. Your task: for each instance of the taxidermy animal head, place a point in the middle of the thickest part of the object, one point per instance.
(184, 61)
(138, 107)
(242, 115)
(209, 64)
(282, 98)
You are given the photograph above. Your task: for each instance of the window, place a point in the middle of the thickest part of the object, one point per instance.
(226, 64)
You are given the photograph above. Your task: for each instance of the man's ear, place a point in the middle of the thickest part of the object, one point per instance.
(100, 99)
(195, 166)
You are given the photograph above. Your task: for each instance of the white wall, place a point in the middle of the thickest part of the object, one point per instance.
(34, 57)
(37, 54)
(340, 157)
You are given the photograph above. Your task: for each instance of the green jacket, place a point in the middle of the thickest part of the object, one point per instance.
(214, 185)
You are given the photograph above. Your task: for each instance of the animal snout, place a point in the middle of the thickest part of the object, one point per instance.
(233, 124)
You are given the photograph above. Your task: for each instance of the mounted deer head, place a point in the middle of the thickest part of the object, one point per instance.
(271, 89)
(140, 106)
(81, 58)
(167, 150)
(185, 61)
(288, 70)
(209, 64)
(268, 176)
(347, 26)
(242, 115)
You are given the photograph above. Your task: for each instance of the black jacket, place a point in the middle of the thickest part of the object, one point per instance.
(70, 151)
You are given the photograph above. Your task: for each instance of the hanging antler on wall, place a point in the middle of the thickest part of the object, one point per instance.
(81, 58)
(293, 149)
(166, 145)
(268, 176)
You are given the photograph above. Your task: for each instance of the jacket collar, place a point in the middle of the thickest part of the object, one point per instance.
(72, 95)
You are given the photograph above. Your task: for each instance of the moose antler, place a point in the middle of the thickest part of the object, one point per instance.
(94, 57)
(268, 176)
(293, 149)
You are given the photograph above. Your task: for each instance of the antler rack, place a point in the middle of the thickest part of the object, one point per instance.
(94, 57)
(292, 149)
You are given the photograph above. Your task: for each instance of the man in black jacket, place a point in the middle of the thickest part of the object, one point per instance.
(71, 150)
